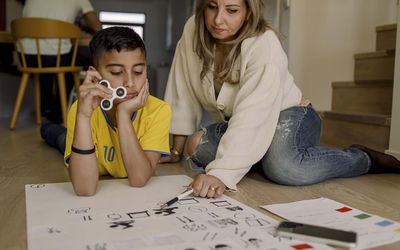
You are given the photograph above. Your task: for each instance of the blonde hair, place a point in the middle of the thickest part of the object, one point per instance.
(204, 43)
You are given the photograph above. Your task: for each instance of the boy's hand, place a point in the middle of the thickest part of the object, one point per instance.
(91, 93)
(207, 186)
(170, 159)
(136, 103)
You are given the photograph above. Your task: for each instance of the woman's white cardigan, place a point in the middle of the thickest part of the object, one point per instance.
(265, 88)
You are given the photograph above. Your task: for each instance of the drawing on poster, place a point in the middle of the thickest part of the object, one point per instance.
(87, 218)
(114, 216)
(58, 219)
(79, 210)
(243, 215)
(193, 227)
(256, 222)
(165, 211)
(122, 224)
(197, 209)
(52, 230)
(97, 246)
(220, 203)
(223, 223)
(188, 201)
(213, 215)
(37, 185)
(235, 208)
(141, 214)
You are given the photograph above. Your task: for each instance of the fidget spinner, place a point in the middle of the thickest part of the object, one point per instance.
(120, 92)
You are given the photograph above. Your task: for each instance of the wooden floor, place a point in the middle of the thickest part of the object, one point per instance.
(26, 159)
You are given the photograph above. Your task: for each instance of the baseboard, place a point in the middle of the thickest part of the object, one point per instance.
(394, 153)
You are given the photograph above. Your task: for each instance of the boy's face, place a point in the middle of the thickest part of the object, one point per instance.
(125, 68)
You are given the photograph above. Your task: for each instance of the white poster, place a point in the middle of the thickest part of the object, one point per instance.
(120, 217)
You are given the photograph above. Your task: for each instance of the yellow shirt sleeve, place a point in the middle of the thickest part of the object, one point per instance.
(70, 132)
(156, 136)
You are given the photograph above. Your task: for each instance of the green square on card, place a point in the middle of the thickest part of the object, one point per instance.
(362, 216)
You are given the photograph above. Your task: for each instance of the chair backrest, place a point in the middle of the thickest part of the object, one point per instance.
(43, 28)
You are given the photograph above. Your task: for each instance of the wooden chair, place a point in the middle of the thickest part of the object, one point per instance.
(41, 28)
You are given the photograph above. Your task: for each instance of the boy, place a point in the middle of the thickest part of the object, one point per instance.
(129, 139)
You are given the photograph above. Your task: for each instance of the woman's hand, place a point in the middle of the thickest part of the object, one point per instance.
(91, 93)
(130, 106)
(207, 186)
(176, 150)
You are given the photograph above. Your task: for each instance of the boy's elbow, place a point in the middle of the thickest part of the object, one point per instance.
(137, 182)
(85, 191)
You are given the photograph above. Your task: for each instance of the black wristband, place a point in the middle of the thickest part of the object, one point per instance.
(82, 151)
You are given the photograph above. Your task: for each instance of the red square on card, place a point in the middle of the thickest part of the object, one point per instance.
(302, 246)
(344, 209)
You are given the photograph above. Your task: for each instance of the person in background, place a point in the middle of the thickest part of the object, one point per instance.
(230, 62)
(125, 141)
(66, 11)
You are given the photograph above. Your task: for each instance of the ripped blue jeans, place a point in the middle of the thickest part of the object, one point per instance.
(294, 157)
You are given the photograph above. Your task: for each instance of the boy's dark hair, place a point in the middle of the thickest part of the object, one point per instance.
(115, 38)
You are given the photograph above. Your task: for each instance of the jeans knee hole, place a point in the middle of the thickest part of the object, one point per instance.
(201, 142)
(192, 160)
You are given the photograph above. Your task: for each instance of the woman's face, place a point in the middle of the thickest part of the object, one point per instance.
(224, 18)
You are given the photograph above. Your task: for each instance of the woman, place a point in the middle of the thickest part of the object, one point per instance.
(231, 63)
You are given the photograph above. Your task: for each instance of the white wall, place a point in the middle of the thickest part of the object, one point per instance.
(13, 10)
(394, 141)
(279, 21)
(324, 36)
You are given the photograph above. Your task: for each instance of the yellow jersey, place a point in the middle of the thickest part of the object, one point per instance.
(151, 124)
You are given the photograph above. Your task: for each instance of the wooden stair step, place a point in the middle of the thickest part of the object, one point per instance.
(340, 129)
(386, 37)
(372, 97)
(374, 66)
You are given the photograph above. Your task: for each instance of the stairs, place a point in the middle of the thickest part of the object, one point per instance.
(361, 109)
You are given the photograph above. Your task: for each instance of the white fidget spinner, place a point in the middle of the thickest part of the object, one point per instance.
(120, 92)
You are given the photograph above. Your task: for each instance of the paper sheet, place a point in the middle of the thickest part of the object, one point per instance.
(120, 217)
(372, 230)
